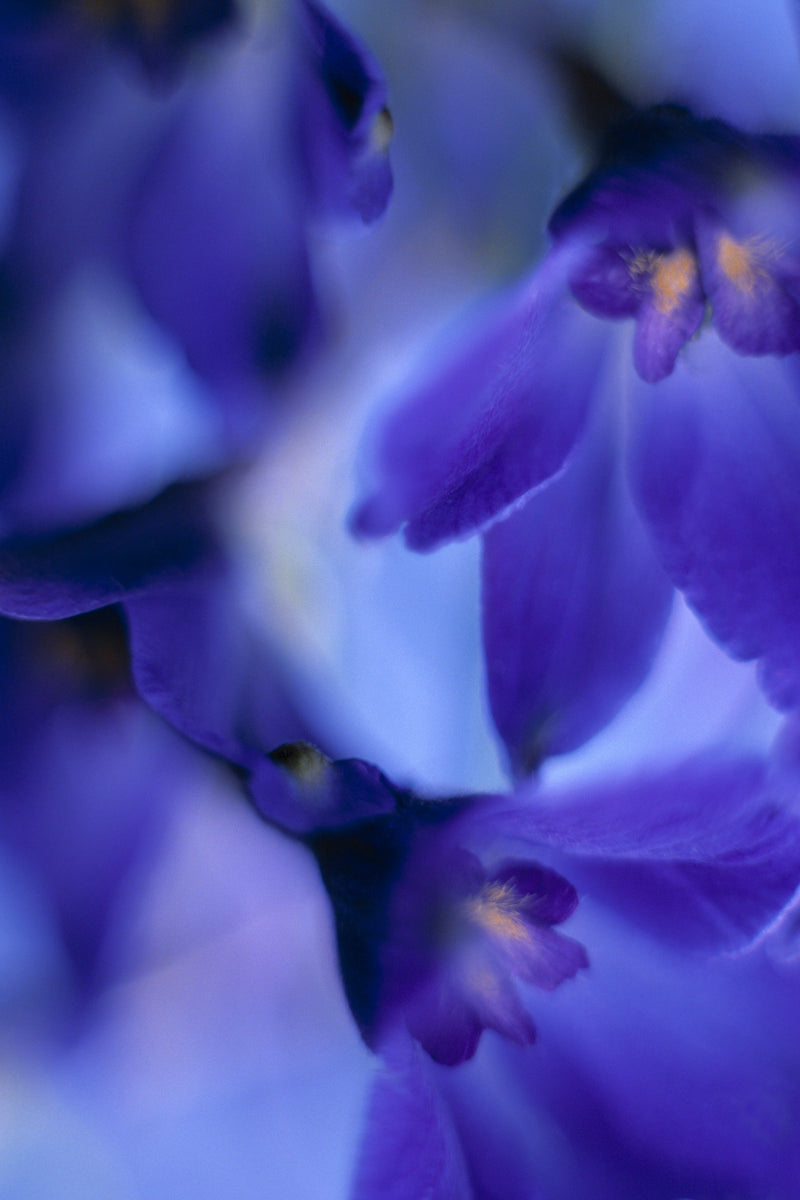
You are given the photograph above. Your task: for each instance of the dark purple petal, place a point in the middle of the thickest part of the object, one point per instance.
(161, 35)
(306, 792)
(705, 854)
(549, 898)
(197, 662)
(604, 284)
(50, 577)
(441, 1015)
(574, 606)
(497, 420)
(217, 242)
(715, 462)
(409, 1147)
(345, 124)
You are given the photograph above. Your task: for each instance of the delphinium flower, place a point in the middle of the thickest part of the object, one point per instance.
(447, 916)
(638, 393)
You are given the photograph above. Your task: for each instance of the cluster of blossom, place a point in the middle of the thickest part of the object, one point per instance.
(620, 434)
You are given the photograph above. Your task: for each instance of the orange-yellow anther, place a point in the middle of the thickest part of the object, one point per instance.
(672, 277)
(496, 909)
(740, 262)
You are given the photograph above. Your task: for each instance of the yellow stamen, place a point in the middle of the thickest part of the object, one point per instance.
(496, 908)
(740, 262)
(672, 278)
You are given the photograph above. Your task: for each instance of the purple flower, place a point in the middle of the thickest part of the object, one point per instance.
(429, 936)
(440, 917)
(641, 1072)
(685, 451)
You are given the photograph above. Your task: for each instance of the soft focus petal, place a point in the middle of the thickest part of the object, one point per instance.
(217, 243)
(345, 124)
(409, 1146)
(498, 419)
(55, 576)
(574, 606)
(108, 414)
(669, 1077)
(198, 662)
(715, 463)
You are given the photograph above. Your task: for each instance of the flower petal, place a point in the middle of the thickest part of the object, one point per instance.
(752, 309)
(62, 574)
(574, 606)
(715, 462)
(216, 241)
(497, 420)
(705, 854)
(345, 124)
(409, 1145)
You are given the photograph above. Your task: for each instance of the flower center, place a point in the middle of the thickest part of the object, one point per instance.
(672, 279)
(496, 911)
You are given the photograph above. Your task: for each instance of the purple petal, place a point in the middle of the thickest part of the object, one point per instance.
(715, 462)
(306, 792)
(217, 244)
(346, 126)
(706, 854)
(197, 662)
(442, 1017)
(549, 898)
(108, 414)
(497, 420)
(57, 576)
(471, 991)
(604, 284)
(670, 314)
(752, 309)
(86, 776)
(574, 606)
(545, 959)
(409, 1146)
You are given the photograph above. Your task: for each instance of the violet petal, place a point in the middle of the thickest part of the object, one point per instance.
(715, 462)
(574, 606)
(497, 420)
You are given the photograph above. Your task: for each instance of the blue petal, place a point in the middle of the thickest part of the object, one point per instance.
(715, 461)
(574, 606)
(409, 1145)
(55, 576)
(705, 855)
(499, 418)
